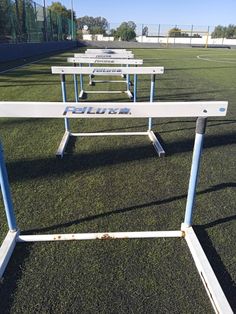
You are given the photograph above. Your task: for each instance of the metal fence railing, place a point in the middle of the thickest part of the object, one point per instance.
(27, 21)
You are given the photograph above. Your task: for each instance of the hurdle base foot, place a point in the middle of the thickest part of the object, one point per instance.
(82, 94)
(6, 250)
(62, 147)
(157, 145)
(129, 94)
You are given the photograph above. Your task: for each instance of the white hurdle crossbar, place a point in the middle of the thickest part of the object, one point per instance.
(109, 71)
(92, 61)
(201, 110)
(122, 55)
(109, 51)
(105, 55)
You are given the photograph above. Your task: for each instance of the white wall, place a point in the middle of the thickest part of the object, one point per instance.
(169, 40)
(98, 37)
(186, 40)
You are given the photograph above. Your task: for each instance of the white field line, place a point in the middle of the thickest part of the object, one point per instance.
(21, 66)
(25, 64)
(214, 60)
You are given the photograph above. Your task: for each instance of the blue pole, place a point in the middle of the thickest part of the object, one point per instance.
(81, 79)
(197, 151)
(152, 93)
(127, 80)
(135, 87)
(76, 86)
(64, 99)
(6, 193)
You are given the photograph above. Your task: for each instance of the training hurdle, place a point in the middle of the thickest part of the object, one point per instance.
(106, 50)
(104, 55)
(200, 110)
(113, 52)
(91, 61)
(153, 71)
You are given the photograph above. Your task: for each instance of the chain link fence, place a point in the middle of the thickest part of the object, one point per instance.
(163, 30)
(27, 21)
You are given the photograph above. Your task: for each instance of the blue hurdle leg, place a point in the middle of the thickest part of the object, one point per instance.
(81, 80)
(152, 94)
(197, 151)
(127, 80)
(76, 86)
(64, 98)
(135, 87)
(6, 193)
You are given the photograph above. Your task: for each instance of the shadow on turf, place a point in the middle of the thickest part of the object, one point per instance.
(15, 268)
(19, 170)
(144, 126)
(13, 273)
(68, 224)
(200, 68)
(224, 278)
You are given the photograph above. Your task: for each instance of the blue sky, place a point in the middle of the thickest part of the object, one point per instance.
(184, 12)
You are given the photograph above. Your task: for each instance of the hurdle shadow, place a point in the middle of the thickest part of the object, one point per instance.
(116, 211)
(200, 68)
(209, 125)
(12, 275)
(226, 281)
(210, 141)
(84, 161)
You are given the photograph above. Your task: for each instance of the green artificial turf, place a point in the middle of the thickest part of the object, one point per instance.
(119, 184)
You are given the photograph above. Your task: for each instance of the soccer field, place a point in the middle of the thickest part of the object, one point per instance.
(110, 184)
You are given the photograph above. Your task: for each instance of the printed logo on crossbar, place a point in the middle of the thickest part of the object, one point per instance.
(104, 61)
(72, 111)
(104, 70)
(103, 56)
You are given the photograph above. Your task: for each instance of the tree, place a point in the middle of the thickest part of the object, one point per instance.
(231, 31)
(175, 32)
(224, 31)
(113, 32)
(126, 31)
(96, 25)
(60, 9)
(219, 32)
(60, 21)
(4, 12)
(145, 31)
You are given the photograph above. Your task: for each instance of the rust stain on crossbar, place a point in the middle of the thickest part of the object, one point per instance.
(105, 236)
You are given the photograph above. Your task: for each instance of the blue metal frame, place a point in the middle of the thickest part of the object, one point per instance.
(135, 87)
(6, 193)
(197, 152)
(64, 98)
(152, 94)
(127, 79)
(81, 79)
(76, 86)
